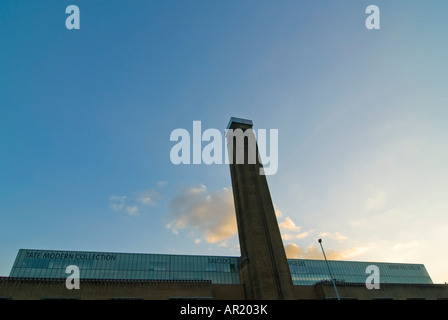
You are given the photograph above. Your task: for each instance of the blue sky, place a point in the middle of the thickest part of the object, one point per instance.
(86, 117)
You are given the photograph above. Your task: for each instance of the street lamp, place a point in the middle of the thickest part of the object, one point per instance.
(329, 270)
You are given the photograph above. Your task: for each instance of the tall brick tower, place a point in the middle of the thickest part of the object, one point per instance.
(263, 266)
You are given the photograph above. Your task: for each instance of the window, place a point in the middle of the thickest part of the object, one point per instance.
(211, 267)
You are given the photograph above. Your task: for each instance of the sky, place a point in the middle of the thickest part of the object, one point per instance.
(86, 117)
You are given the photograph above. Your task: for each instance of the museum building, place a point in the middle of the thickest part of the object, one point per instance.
(262, 272)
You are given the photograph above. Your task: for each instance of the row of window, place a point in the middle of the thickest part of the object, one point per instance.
(310, 279)
(36, 263)
(151, 266)
(357, 268)
(142, 262)
(215, 277)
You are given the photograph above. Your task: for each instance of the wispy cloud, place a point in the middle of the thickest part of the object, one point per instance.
(116, 203)
(333, 235)
(291, 232)
(162, 183)
(133, 205)
(278, 213)
(148, 197)
(119, 203)
(289, 229)
(132, 210)
(292, 236)
(211, 214)
(293, 251)
(289, 225)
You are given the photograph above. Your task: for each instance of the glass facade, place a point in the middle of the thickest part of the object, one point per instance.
(308, 272)
(218, 269)
(101, 265)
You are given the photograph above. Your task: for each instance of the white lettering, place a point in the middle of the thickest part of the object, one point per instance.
(373, 280)
(240, 147)
(373, 21)
(197, 310)
(183, 146)
(72, 21)
(215, 146)
(72, 281)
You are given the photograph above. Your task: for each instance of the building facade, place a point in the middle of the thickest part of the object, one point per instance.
(42, 274)
(52, 264)
(127, 266)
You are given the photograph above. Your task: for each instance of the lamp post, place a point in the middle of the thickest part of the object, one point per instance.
(329, 270)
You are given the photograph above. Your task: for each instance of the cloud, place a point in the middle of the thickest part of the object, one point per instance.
(117, 202)
(116, 207)
(289, 229)
(134, 205)
(212, 214)
(278, 213)
(333, 235)
(148, 197)
(289, 225)
(132, 210)
(293, 251)
(292, 236)
(162, 183)
(117, 198)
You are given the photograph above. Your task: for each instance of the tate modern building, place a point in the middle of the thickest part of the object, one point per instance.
(262, 272)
